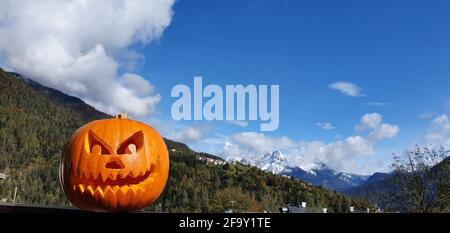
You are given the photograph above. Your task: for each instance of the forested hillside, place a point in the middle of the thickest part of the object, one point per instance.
(36, 122)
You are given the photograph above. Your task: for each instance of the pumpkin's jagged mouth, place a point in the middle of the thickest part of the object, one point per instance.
(98, 185)
(128, 180)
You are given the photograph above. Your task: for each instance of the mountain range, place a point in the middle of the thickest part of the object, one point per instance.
(318, 174)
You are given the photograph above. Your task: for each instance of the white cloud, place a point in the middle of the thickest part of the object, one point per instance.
(426, 115)
(188, 134)
(325, 125)
(252, 144)
(191, 134)
(243, 124)
(347, 88)
(342, 155)
(140, 85)
(78, 47)
(439, 131)
(370, 121)
(384, 131)
(379, 130)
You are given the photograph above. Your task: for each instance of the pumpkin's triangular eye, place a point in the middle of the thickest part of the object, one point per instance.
(131, 144)
(96, 145)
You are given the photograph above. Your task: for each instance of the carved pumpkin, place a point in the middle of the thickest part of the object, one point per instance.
(114, 165)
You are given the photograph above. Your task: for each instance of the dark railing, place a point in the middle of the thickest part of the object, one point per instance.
(27, 208)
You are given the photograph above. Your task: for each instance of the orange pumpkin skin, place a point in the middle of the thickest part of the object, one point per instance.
(114, 165)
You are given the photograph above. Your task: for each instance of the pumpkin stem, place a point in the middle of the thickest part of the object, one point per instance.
(122, 116)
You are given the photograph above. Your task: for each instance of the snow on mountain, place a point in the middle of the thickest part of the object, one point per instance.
(324, 176)
(274, 162)
(318, 174)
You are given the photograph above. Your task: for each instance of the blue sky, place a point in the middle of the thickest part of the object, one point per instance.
(396, 52)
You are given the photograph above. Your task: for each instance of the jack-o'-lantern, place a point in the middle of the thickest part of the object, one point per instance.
(114, 165)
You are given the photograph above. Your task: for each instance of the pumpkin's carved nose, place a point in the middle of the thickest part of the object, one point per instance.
(115, 164)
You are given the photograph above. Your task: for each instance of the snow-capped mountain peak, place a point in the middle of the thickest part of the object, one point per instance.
(323, 167)
(274, 157)
(274, 162)
(317, 173)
